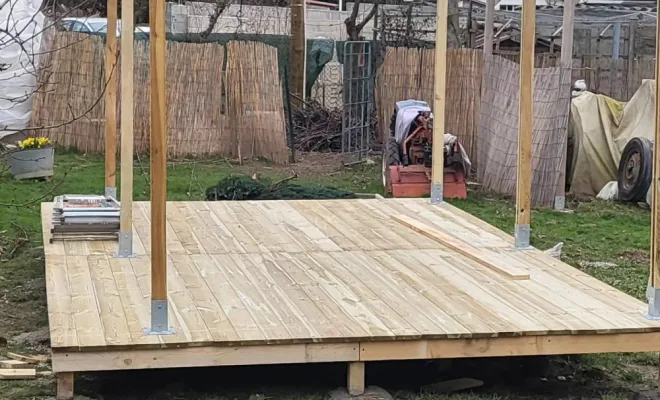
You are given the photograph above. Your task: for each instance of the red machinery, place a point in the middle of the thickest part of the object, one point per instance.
(407, 166)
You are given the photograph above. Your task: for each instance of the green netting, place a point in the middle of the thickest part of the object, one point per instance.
(319, 51)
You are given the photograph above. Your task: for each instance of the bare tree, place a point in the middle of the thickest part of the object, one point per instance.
(219, 7)
(354, 28)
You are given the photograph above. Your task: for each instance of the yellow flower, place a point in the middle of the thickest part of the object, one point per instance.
(34, 143)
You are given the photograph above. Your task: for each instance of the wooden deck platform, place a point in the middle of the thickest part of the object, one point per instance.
(315, 281)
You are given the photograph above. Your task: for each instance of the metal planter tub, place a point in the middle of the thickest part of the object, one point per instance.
(33, 163)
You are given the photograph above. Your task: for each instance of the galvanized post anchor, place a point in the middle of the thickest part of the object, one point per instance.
(111, 192)
(159, 320)
(653, 296)
(125, 245)
(436, 193)
(522, 234)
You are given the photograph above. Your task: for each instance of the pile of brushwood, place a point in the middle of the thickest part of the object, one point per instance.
(317, 128)
(240, 187)
(320, 129)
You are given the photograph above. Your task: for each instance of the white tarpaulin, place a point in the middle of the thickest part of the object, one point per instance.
(600, 128)
(19, 49)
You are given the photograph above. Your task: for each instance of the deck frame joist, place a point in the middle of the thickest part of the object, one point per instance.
(211, 356)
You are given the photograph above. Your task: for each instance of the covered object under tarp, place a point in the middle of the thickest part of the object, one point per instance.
(599, 129)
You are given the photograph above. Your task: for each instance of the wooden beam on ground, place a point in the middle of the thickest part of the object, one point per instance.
(16, 374)
(110, 99)
(653, 292)
(566, 62)
(507, 266)
(525, 126)
(28, 359)
(439, 99)
(126, 124)
(158, 166)
(297, 51)
(488, 27)
(14, 364)
(355, 379)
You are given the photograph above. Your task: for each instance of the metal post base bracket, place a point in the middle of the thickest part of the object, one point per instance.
(436, 193)
(125, 245)
(111, 192)
(653, 295)
(159, 321)
(522, 234)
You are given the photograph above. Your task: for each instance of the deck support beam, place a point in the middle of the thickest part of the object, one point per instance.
(439, 99)
(126, 125)
(64, 386)
(157, 67)
(110, 98)
(653, 292)
(355, 384)
(525, 127)
(567, 29)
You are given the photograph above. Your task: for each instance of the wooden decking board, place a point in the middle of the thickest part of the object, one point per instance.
(332, 272)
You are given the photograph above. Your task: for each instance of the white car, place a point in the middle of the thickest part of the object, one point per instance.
(94, 25)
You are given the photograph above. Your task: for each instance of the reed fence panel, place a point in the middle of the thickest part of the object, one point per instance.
(70, 107)
(498, 129)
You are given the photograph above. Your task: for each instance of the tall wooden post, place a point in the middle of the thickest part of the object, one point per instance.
(566, 59)
(297, 50)
(653, 292)
(159, 317)
(488, 27)
(439, 97)
(525, 126)
(126, 125)
(110, 99)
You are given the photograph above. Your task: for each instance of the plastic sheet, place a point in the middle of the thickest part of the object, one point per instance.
(19, 50)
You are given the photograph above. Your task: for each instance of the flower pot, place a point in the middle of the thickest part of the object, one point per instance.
(33, 163)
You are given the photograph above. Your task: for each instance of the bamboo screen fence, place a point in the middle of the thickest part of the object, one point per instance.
(68, 102)
(407, 73)
(201, 121)
(498, 129)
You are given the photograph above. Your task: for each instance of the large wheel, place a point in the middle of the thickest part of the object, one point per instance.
(635, 170)
(391, 156)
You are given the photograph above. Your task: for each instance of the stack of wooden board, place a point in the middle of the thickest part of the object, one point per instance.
(85, 217)
(20, 367)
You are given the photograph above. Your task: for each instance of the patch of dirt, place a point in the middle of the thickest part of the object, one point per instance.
(35, 339)
(636, 256)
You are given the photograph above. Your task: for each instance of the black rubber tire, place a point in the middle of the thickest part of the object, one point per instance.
(635, 170)
(391, 156)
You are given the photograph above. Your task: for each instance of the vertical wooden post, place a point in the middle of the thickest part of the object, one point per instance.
(525, 126)
(355, 378)
(566, 62)
(297, 51)
(632, 30)
(159, 318)
(488, 27)
(439, 98)
(126, 125)
(110, 99)
(653, 292)
(64, 386)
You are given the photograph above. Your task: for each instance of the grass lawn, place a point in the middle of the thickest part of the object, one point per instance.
(594, 232)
